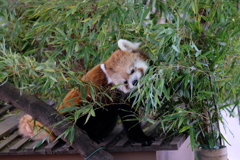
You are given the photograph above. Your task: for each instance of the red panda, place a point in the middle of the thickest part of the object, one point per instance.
(124, 68)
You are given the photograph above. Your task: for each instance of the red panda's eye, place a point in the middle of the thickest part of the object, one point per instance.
(125, 82)
(132, 71)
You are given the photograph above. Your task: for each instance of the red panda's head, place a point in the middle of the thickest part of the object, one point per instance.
(125, 67)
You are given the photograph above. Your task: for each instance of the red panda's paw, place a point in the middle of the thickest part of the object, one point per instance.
(144, 140)
(25, 126)
(32, 129)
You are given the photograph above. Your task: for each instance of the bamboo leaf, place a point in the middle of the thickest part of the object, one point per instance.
(185, 128)
(88, 116)
(68, 109)
(92, 112)
(192, 137)
(39, 143)
(71, 136)
(3, 75)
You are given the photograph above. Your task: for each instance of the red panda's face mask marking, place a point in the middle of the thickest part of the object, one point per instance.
(125, 67)
(125, 70)
(134, 73)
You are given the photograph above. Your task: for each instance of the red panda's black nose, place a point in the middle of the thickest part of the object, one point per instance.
(135, 82)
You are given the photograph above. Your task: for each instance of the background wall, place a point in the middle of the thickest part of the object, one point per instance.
(232, 134)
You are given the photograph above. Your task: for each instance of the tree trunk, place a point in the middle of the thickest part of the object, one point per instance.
(49, 116)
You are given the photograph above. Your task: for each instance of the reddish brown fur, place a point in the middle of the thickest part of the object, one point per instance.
(96, 77)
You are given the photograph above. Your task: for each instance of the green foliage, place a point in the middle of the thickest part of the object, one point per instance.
(47, 45)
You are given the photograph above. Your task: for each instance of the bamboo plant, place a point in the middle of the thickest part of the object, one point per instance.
(194, 46)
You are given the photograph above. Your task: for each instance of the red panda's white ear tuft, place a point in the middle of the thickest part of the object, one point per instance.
(128, 46)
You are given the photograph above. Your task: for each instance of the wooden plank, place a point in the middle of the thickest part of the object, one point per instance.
(122, 142)
(177, 141)
(49, 147)
(19, 144)
(137, 144)
(116, 131)
(31, 148)
(123, 145)
(44, 148)
(131, 148)
(156, 146)
(158, 141)
(8, 140)
(8, 126)
(66, 147)
(4, 109)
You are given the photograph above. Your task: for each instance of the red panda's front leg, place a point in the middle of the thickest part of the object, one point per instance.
(132, 126)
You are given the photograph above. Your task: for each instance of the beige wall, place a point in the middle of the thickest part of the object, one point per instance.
(184, 153)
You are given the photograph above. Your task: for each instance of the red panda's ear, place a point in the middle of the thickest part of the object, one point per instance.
(128, 46)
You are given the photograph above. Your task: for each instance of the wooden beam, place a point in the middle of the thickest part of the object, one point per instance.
(48, 116)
